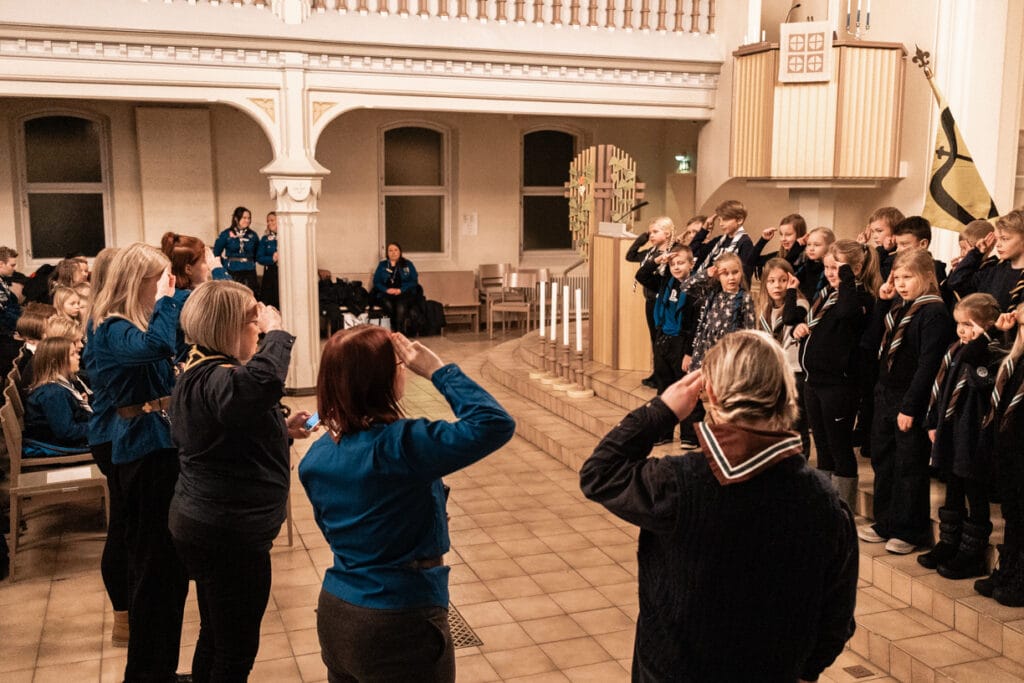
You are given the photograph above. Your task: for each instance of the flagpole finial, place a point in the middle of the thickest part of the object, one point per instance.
(923, 60)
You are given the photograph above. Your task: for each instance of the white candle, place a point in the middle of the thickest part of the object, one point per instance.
(763, 36)
(543, 308)
(579, 320)
(565, 315)
(554, 308)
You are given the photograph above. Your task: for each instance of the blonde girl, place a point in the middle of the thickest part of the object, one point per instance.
(918, 329)
(68, 303)
(959, 402)
(780, 308)
(660, 234)
(810, 265)
(836, 321)
(727, 306)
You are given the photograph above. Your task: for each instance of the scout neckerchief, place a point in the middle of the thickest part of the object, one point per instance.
(724, 245)
(774, 329)
(947, 360)
(824, 301)
(1003, 376)
(197, 356)
(894, 330)
(80, 396)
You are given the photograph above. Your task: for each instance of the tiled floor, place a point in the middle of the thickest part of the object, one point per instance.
(545, 578)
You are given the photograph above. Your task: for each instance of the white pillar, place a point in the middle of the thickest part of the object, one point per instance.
(296, 238)
(295, 181)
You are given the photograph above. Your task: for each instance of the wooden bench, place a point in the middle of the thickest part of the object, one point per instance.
(455, 290)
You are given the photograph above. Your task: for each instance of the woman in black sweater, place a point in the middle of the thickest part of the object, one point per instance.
(230, 498)
(747, 500)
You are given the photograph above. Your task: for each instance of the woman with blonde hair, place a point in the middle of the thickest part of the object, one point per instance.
(232, 491)
(747, 499)
(131, 351)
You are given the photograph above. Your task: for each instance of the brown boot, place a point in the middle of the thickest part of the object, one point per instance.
(119, 634)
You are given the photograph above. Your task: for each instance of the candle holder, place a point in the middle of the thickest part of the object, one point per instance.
(564, 383)
(551, 364)
(859, 29)
(542, 370)
(581, 388)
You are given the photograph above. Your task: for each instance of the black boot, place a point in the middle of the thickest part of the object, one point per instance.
(950, 527)
(1010, 590)
(970, 558)
(988, 585)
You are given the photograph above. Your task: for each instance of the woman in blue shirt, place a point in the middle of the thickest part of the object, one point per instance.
(57, 411)
(266, 256)
(131, 353)
(394, 286)
(238, 244)
(375, 483)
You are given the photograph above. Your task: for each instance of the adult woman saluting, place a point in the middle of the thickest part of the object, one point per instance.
(394, 285)
(131, 365)
(231, 495)
(238, 244)
(748, 558)
(375, 483)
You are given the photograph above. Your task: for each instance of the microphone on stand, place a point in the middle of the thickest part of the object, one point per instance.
(790, 13)
(635, 208)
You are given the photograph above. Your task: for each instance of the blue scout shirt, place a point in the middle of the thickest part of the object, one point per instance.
(130, 367)
(238, 249)
(378, 499)
(266, 250)
(405, 275)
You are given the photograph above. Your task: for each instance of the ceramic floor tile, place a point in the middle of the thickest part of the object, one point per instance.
(534, 607)
(574, 652)
(549, 629)
(503, 637)
(520, 661)
(514, 587)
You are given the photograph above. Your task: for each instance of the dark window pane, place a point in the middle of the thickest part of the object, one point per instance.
(546, 158)
(65, 224)
(546, 223)
(412, 156)
(414, 222)
(62, 149)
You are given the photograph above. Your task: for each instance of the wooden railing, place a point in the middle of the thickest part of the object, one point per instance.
(663, 16)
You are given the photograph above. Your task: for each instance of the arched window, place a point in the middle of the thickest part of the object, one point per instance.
(415, 189)
(546, 158)
(64, 186)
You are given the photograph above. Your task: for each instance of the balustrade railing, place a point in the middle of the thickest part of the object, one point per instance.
(662, 16)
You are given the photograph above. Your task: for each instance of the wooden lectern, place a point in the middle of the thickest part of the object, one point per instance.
(618, 328)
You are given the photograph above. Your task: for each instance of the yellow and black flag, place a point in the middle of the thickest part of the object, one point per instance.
(956, 194)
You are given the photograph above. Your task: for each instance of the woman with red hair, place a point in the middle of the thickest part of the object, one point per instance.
(375, 483)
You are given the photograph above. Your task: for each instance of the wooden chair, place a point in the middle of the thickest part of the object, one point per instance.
(56, 485)
(491, 280)
(517, 297)
(13, 397)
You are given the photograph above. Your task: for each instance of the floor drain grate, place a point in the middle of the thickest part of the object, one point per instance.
(462, 634)
(859, 671)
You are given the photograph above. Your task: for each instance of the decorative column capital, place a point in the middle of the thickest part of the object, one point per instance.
(295, 193)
